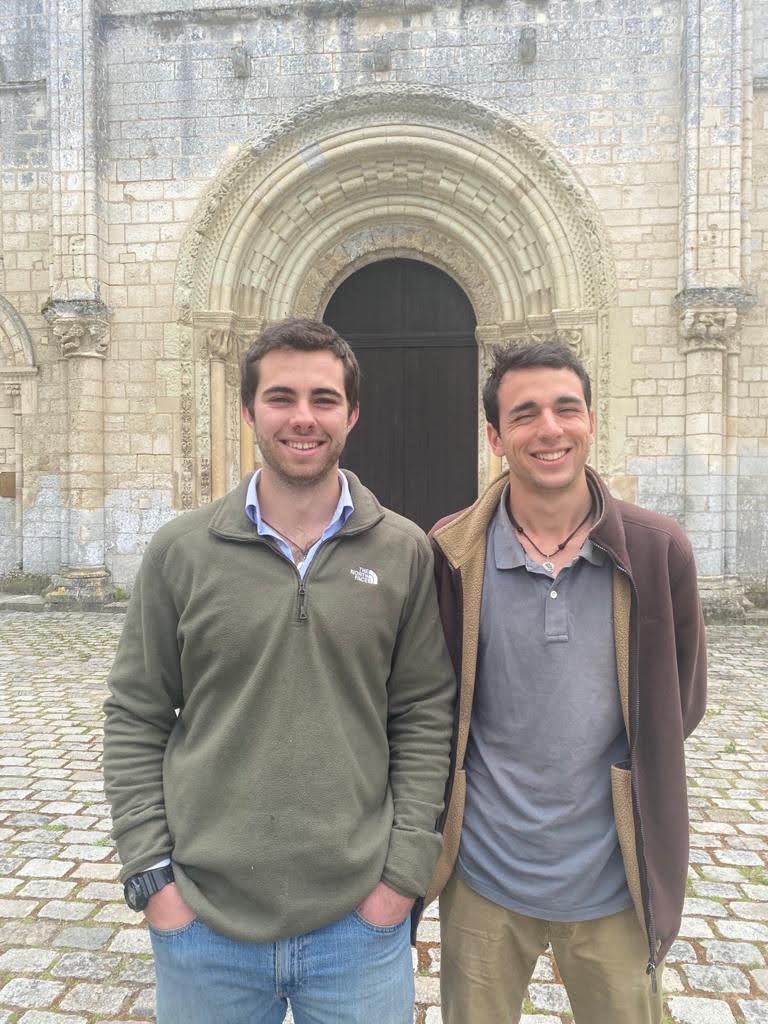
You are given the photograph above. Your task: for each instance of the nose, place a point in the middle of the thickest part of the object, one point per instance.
(302, 417)
(549, 424)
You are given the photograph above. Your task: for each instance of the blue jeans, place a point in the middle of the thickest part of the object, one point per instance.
(349, 972)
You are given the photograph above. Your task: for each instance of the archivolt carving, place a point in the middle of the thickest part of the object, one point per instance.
(492, 168)
(395, 171)
(389, 241)
(15, 340)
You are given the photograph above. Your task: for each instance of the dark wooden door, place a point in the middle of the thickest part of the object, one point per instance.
(412, 329)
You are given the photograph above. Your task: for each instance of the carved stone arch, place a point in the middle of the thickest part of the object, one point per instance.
(395, 170)
(15, 340)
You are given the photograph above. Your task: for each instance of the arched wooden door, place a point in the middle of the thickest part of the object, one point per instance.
(412, 329)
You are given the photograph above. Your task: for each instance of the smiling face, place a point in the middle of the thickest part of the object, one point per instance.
(300, 415)
(545, 430)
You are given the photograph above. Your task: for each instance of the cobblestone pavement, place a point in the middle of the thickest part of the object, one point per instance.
(71, 952)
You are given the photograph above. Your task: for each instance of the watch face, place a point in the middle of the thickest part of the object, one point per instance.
(134, 894)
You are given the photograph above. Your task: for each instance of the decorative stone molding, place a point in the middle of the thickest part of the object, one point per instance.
(394, 171)
(16, 347)
(368, 158)
(13, 389)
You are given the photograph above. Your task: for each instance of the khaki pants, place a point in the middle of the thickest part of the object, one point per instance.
(488, 954)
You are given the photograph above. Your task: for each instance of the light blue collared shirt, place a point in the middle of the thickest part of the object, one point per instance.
(344, 510)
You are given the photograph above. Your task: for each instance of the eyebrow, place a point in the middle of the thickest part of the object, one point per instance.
(284, 389)
(531, 406)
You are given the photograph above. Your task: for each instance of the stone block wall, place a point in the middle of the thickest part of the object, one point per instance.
(181, 91)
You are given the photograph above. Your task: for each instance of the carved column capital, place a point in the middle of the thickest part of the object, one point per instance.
(80, 327)
(220, 343)
(82, 337)
(710, 329)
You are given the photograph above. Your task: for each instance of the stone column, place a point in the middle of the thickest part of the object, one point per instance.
(14, 390)
(221, 341)
(74, 99)
(715, 191)
(82, 335)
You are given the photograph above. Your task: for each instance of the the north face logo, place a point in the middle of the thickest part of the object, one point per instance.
(365, 575)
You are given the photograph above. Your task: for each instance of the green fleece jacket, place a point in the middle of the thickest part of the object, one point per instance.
(285, 743)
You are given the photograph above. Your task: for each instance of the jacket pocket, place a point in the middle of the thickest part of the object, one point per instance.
(451, 837)
(621, 788)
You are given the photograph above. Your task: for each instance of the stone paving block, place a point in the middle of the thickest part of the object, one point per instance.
(26, 961)
(755, 1012)
(41, 867)
(99, 999)
(141, 972)
(761, 979)
(101, 891)
(745, 857)
(703, 908)
(83, 938)
(144, 1004)
(46, 888)
(732, 953)
(16, 908)
(29, 992)
(131, 940)
(549, 997)
(695, 1010)
(85, 965)
(427, 990)
(695, 928)
(543, 970)
(101, 872)
(116, 913)
(66, 910)
(672, 981)
(428, 931)
(9, 885)
(715, 979)
(26, 933)
(41, 1017)
(753, 911)
(745, 930)
(682, 952)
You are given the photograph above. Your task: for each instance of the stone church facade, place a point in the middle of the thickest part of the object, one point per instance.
(175, 176)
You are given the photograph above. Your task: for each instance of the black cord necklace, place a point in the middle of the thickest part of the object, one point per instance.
(559, 548)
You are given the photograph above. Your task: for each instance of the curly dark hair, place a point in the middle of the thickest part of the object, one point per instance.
(548, 352)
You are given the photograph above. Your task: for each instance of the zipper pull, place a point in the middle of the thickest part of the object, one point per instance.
(302, 602)
(651, 969)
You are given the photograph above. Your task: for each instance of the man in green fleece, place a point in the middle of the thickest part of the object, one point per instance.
(278, 726)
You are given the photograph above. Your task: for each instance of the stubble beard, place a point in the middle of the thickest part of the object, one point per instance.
(300, 481)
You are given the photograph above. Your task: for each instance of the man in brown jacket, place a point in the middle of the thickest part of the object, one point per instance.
(576, 632)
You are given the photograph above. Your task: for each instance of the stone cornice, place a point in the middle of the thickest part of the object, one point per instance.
(716, 297)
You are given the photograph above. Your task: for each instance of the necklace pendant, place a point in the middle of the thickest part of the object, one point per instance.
(549, 566)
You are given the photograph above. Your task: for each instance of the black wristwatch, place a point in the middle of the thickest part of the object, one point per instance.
(138, 888)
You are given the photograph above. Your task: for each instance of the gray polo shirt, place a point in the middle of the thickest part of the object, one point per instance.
(539, 835)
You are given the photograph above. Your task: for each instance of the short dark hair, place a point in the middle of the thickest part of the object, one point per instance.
(548, 352)
(301, 336)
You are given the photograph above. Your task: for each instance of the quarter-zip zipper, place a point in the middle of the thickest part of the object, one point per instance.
(634, 720)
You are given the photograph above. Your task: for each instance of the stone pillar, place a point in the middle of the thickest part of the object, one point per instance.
(221, 342)
(715, 191)
(248, 457)
(74, 98)
(81, 330)
(14, 390)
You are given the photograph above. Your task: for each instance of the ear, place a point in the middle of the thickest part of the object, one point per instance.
(353, 417)
(494, 440)
(247, 415)
(591, 426)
